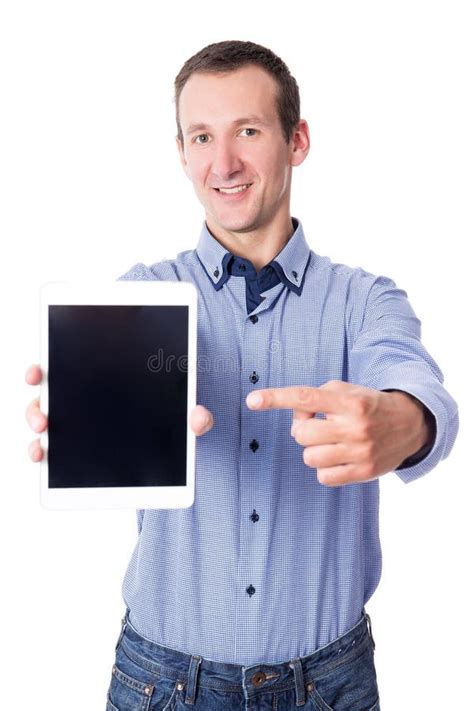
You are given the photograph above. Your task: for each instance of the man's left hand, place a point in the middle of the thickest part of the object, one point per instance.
(365, 433)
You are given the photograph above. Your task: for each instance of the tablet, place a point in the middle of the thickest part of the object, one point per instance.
(119, 383)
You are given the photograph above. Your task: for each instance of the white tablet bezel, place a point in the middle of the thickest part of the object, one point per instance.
(120, 293)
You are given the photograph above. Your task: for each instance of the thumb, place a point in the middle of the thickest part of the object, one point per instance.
(299, 416)
(201, 420)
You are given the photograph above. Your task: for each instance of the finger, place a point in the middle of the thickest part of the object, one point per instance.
(36, 419)
(33, 375)
(339, 475)
(35, 451)
(201, 420)
(313, 431)
(304, 398)
(325, 455)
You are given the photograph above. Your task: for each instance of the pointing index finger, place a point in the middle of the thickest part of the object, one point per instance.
(304, 397)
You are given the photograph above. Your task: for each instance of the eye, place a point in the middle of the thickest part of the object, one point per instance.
(205, 135)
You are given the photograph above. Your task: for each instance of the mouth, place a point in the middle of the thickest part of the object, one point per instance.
(235, 190)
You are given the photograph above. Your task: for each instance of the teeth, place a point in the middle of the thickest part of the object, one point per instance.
(239, 189)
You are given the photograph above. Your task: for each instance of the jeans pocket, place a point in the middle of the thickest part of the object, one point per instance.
(129, 693)
(349, 686)
(320, 705)
(134, 689)
(317, 701)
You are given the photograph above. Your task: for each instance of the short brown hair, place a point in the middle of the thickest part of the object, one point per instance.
(233, 54)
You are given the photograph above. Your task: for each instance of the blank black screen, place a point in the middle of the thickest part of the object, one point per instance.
(117, 396)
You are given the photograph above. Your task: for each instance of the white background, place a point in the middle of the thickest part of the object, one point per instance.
(91, 183)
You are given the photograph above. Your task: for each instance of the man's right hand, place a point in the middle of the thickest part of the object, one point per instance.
(38, 421)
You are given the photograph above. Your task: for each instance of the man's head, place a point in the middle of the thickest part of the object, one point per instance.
(237, 115)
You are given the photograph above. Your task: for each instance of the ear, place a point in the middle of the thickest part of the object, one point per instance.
(179, 145)
(300, 143)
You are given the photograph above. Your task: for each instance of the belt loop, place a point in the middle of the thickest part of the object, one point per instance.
(122, 630)
(367, 618)
(192, 679)
(295, 664)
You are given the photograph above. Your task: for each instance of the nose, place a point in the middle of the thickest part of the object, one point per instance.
(226, 162)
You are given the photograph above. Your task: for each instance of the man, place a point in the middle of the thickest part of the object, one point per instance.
(254, 596)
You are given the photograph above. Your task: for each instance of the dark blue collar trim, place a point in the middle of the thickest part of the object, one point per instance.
(285, 281)
(225, 272)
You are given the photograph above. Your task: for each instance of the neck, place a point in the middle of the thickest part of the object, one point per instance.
(258, 245)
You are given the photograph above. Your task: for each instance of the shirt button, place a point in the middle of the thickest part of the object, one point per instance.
(254, 445)
(254, 377)
(254, 318)
(254, 516)
(216, 273)
(250, 590)
(242, 267)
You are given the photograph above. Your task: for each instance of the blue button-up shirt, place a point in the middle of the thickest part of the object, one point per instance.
(268, 564)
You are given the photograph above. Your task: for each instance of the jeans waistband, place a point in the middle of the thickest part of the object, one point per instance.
(192, 669)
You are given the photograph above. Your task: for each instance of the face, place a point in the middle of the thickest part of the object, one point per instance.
(232, 137)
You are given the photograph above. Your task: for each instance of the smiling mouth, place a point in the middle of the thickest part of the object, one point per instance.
(236, 189)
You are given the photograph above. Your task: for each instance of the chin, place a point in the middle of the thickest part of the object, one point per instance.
(236, 225)
(236, 222)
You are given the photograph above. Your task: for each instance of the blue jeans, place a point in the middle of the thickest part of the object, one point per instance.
(337, 677)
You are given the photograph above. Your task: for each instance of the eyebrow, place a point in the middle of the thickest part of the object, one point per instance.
(257, 120)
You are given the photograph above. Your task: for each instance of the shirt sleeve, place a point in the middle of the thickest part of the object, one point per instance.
(387, 354)
(139, 272)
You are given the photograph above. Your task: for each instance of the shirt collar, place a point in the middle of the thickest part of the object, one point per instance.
(290, 263)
